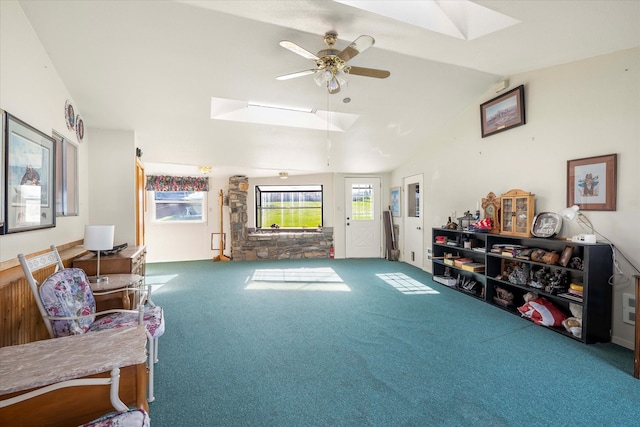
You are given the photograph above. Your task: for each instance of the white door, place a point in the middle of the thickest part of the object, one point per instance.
(363, 218)
(413, 221)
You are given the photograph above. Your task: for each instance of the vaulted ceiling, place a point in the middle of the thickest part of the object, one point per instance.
(153, 67)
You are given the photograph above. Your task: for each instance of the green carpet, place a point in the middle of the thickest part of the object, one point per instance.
(301, 348)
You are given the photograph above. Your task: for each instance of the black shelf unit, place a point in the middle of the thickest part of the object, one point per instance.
(455, 246)
(597, 268)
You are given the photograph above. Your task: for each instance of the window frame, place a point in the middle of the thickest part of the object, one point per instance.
(67, 193)
(271, 188)
(154, 203)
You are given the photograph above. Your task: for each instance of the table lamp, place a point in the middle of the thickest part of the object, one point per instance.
(573, 213)
(98, 238)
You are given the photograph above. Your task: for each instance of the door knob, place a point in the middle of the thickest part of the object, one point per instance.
(418, 228)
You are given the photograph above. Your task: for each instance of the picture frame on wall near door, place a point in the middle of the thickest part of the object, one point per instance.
(30, 177)
(2, 174)
(395, 202)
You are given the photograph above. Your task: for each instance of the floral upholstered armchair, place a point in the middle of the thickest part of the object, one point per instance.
(67, 305)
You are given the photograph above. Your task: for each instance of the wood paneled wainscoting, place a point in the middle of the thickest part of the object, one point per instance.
(20, 320)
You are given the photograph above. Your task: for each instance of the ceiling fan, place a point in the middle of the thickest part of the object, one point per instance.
(332, 63)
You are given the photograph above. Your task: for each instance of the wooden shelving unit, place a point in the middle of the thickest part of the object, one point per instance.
(596, 269)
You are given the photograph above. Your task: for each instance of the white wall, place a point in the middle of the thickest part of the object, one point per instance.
(112, 176)
(31, 90)
(581, 109)
(186, 242)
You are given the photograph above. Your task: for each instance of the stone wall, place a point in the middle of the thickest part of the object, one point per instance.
(269, 244)
(284, 245)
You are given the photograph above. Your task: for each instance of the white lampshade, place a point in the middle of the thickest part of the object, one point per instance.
(98, 237)
(333, 85)
(569, 213)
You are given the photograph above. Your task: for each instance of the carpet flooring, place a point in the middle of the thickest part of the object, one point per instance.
(367, 343)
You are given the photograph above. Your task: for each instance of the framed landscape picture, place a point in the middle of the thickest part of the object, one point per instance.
(2, 188)
(30, 185)
(591, 183)
(503, 112)
(395, 201)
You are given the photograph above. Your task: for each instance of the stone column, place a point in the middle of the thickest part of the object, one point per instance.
(238, 187)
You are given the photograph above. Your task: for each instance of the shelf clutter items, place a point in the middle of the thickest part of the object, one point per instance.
(554, 283)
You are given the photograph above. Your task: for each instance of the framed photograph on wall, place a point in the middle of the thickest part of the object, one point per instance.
(395, 201)
(216, 239)
(3, 193)
(30, 186)
(591, 183)
(503, 112)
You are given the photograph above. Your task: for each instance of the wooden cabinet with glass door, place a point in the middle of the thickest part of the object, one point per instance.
(518, 211)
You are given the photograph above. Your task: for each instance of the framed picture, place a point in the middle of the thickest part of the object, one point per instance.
(395, 201)
(503, 112)
(591, 183)
(2, 174)
(30, 186)
(216, 239)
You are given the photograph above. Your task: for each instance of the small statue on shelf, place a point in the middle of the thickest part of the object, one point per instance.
(520, 274)
(557, 283)
(503, 296)
(451, 225)
(539, 278)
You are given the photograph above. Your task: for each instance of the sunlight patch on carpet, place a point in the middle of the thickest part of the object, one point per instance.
(158, 281)
(297, 279)
(406, 284)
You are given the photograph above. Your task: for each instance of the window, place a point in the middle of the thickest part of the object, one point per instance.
(289, 206)
(362, 206)
(179, 206)
(413, 200)
(66, 176)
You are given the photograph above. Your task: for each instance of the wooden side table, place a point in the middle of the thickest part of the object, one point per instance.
(129, 260)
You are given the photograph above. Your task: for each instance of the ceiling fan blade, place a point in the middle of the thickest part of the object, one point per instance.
(369, 72)
(298, 74)
(359, 45)
(297, 49)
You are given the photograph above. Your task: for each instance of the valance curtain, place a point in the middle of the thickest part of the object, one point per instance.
(177, 183)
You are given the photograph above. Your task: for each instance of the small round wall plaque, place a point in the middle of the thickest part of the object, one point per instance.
(546, 224)
(79, 128)
(69, 115)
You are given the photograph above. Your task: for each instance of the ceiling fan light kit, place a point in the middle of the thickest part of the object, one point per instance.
(331, 64)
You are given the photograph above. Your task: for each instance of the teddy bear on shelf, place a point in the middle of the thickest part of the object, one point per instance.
(574, 324)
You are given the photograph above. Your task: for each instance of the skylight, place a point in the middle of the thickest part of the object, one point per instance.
(462, 19)
(280, 115)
